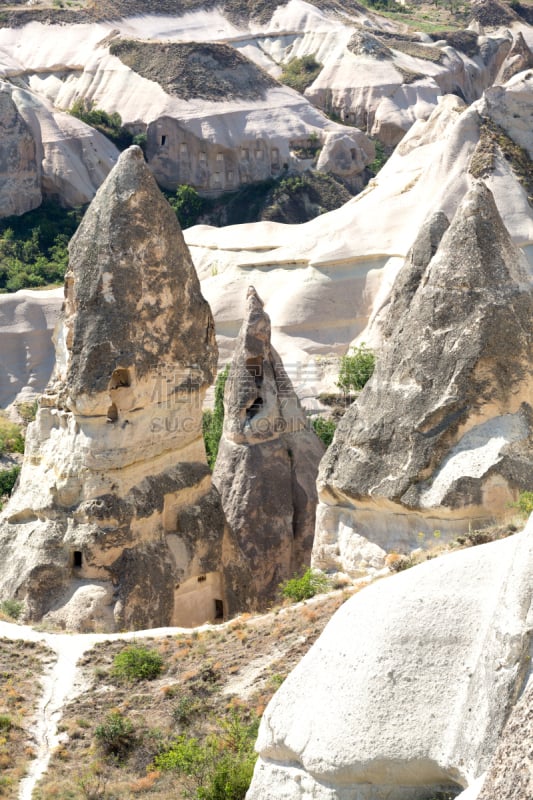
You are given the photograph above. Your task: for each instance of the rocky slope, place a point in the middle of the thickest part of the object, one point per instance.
(267, 460)
(115, 522)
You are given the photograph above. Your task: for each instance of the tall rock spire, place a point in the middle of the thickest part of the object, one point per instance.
(267, 460)
(115, 522)
(439, 439)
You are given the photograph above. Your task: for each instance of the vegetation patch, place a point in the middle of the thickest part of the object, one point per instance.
(356, 369)
(11, 436)
(305, 586)
(324, 429)
(464, 41)
(416, 50)
(109, 125)
(408, 76)
(363, 43)
(210, 71)
(299, 198)
(299, 73)
(34, 247)
(213, 421)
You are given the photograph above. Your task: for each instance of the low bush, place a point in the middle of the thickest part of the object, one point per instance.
(11, 608)
(304, 587)
(8, 478)
(11, 438)
(116, 736)
(324, 429)
(356, 369)
(218, 768)
(137, 663)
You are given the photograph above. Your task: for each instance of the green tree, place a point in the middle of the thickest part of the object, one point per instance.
(356, 369)
(187, 205)
(213, 421)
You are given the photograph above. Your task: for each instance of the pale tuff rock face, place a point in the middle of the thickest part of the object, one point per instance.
(20, 174)
(441, 435)
(519, 58)
(267, 460)
(115, 500)
(406, 692)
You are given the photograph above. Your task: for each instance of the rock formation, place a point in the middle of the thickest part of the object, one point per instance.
(267, 460)
(47, 153)
(20, 175)
(440, 437)
(115, 523)
(406, 692)
(518, 59)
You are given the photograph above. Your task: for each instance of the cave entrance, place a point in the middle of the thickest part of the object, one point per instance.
(255, 408)
(219, 610)
(77, 559)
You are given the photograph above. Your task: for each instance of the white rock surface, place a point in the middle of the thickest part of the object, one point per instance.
(409, 686)
(27, 356)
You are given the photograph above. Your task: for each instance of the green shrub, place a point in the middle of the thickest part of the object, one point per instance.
(116, 736)
(12, 608)
(8, 478)
(5, 722)
(324, 429)
(11, 438)
(218, 768)
(187, 205)
(525, 503)
(299, 73)
(213, 421)
(137, 663)
(305, 587)
(356, 369)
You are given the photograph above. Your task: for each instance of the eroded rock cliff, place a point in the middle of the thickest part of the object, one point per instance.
(115, 523)
(268, 459)
(441, 435)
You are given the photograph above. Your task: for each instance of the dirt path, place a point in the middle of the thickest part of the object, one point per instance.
(60, 684)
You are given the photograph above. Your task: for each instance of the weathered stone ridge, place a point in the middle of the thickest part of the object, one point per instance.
(20, 173)
(115, 523)
(457, 361)
(268, 459)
